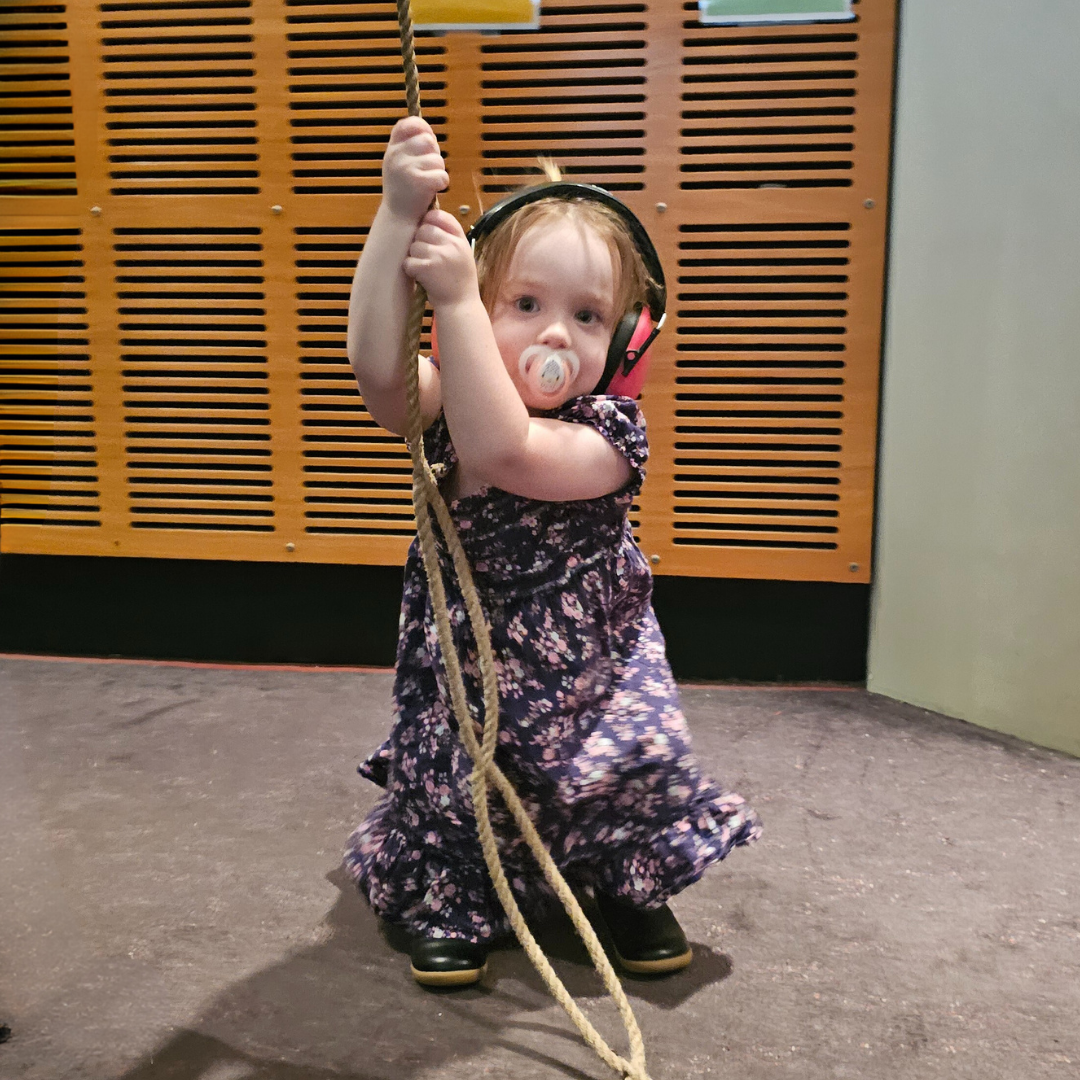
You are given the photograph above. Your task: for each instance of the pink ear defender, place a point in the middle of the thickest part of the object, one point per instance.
(629, 374)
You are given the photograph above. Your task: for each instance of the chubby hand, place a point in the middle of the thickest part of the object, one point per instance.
(441, 260)
(413, 169)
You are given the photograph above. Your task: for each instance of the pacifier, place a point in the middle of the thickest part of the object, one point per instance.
(548, 370)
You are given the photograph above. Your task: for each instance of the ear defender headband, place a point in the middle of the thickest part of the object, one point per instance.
(627, 357)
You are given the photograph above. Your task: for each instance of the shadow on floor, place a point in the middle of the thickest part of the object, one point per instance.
(347, 1009)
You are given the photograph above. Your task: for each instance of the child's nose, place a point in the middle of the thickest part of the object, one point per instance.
(555, 335)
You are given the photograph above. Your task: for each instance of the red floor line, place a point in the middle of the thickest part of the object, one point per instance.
(309, 668)
(832, 688)
(212, 665)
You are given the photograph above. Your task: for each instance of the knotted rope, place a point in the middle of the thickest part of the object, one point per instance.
(426, 497)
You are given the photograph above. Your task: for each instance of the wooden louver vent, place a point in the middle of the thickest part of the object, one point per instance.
(768, 107)
(346, 91)
(192, 309)
(180, 97)
(357, 477)
(173, 317)
(759, 384)
(48, 452)
(574, 92)
(37, 140)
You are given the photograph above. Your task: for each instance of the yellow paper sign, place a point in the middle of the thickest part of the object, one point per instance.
(476, 14)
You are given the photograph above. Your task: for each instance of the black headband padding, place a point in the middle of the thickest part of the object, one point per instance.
(491, 219)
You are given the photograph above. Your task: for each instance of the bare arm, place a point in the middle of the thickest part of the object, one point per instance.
(381, 291)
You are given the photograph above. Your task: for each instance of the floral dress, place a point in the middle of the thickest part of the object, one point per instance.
(590, 729)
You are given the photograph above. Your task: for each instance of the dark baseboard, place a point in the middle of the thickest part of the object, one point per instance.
(178, 609)
(764, 631)
(249, 612)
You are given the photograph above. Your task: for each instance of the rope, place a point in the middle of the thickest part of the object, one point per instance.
(480, 738)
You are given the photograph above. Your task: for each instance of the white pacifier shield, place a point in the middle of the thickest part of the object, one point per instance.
(548, 370)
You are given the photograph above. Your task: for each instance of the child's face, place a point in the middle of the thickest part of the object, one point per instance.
(559, 292)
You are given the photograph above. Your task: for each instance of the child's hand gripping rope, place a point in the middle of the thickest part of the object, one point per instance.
(413, 169)
(441, 260)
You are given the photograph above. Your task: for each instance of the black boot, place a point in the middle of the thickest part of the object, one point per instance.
(447, 961)
(646, 942)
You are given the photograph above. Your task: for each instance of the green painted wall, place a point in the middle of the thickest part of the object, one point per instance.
(976, 606)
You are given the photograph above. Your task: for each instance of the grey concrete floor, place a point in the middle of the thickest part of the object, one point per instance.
(173, 908)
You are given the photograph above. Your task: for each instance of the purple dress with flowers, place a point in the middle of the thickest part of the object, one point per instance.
(590, 729)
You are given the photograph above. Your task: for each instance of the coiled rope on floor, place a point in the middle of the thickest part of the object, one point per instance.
(481, 744)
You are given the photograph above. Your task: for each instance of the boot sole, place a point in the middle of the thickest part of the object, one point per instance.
(656, 967)
(466, 977)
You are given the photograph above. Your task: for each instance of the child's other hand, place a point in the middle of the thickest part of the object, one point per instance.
(413, 169)
(441, 260)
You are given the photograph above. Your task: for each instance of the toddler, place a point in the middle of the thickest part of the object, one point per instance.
(541, 330)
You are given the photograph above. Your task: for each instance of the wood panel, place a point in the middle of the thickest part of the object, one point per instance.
(186, 187)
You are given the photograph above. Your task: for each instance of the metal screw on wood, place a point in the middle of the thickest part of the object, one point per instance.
(854, 567)
(869, 204)
(654, 559)
(661, 207)
(95, 210)
(275, 209)
(290, 546)
(464, 210)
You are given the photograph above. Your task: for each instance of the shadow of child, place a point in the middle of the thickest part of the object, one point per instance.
(347, 1008)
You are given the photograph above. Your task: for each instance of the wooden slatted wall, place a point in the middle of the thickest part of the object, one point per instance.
(186, 186)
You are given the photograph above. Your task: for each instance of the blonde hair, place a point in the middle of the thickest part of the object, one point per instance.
(495, 251)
